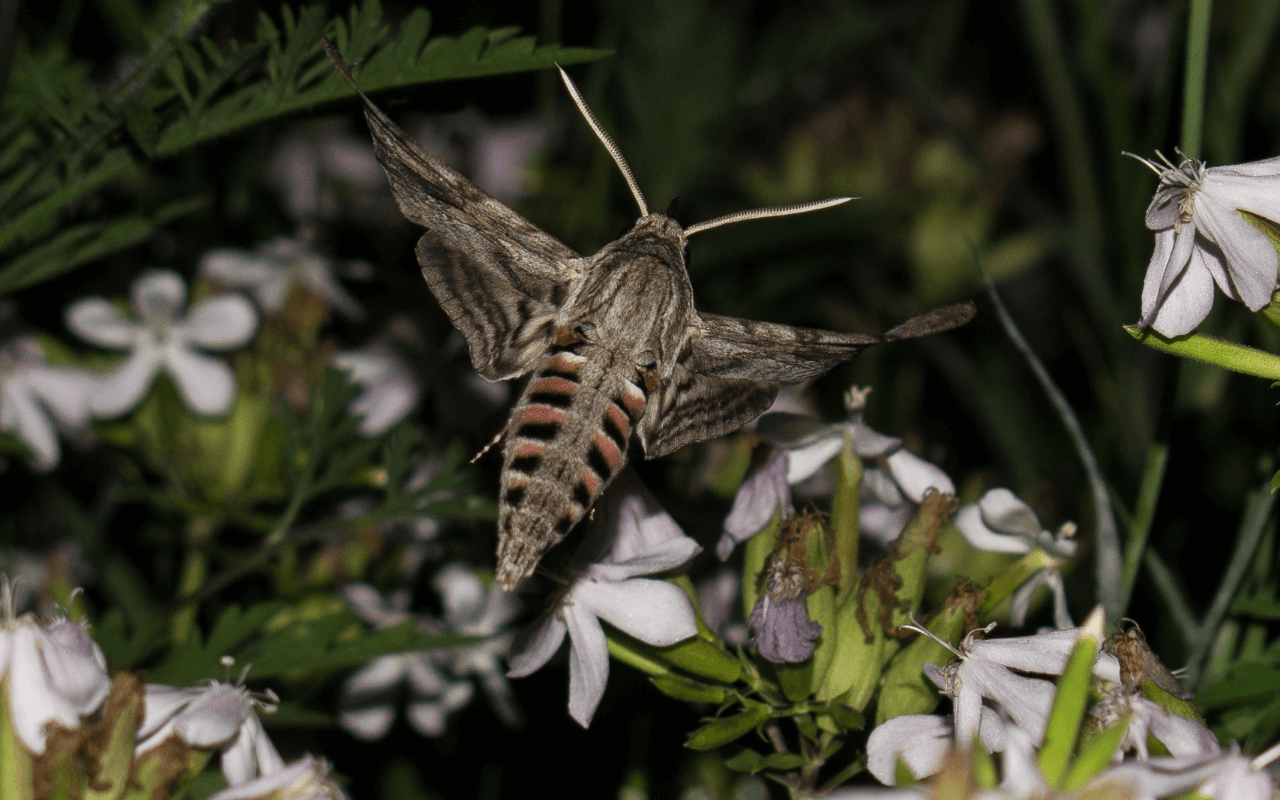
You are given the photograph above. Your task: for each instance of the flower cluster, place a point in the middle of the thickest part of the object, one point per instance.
(63, 705)
(1001, 694)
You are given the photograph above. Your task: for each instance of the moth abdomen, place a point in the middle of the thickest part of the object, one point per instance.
(569, 436)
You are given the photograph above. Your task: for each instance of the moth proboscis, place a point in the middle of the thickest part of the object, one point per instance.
(613, 341)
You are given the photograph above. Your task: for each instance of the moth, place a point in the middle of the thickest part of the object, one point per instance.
(1138, 662)
(615, 346)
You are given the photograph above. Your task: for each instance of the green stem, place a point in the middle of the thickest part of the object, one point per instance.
(1194, 79)
(194, 569)
(1144, 513)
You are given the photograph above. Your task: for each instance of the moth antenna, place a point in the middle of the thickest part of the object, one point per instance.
(487, 447)
(605, 140)
(765, 213)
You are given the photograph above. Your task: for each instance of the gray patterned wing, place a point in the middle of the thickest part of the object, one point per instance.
(730, 369)
(486, 264)
(727, 347)
(691, 408)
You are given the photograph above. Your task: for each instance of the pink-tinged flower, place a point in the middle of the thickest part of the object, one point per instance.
(472, 609)
(323, 172)
(214, 715)
(163, 339)
(783, 632)
(54, 672)
(271, 271)
(304, 779)
(1002, 523)
(38, 399)
(635, 537)
(1202, 238)
(388, 387)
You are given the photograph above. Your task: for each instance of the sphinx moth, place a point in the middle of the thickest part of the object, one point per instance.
(616, 349)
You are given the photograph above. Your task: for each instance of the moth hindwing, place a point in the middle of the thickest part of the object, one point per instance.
(615, 346)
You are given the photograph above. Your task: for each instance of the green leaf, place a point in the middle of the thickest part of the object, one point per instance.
(703, 659)
(1096, 756)
(79, 244)
(689, 690)
(844, 517)
(1069, 703)
(1219, 352)
(721, 731)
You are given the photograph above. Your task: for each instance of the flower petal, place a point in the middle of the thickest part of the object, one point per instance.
(371, 607)
(588, 662)
(916, 476)
(303, 779)
(162, 704)
(22, 415)
(667, 556)
(368, 724)
(33, 701)
(803, 462)
(65, 390)
(158, 294)
(223, 322)
(1189, 300)
(1250, 255)
(968, 520)
(920, 740)
(641, 526)
(763, 495)
(99, 322)
(653, 611)
(239, 268)
(534, 645)
(428, 717)
(318, 278)
(77, 666)
(1168, 261)
(1005, 512)
(124, 387)
(207, 384)
(868, 443)
(383, 405)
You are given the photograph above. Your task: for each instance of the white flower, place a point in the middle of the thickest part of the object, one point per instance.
(1203, 239)
(473, 610)
(922, 741)
(1180, 735)
(638, 539)
(985, 671)
(35, 396)
(389, 388)
(165, 340)
(304, 779)
(368, 699)
(1002, 523)
(214, 715)
(893, 484)
(271, 272)
(54, 672)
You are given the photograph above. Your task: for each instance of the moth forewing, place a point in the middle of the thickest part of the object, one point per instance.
(613, 341)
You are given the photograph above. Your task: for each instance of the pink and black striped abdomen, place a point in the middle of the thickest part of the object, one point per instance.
(566, 441)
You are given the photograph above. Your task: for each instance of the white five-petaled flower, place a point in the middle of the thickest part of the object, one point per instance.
(637, 538)
(389, 388)
(1001, 523)
(162, 339)
(271, 271)
(36, 396)
(304, 779)
(1203, 239)
(369, 697)
(214, 715)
